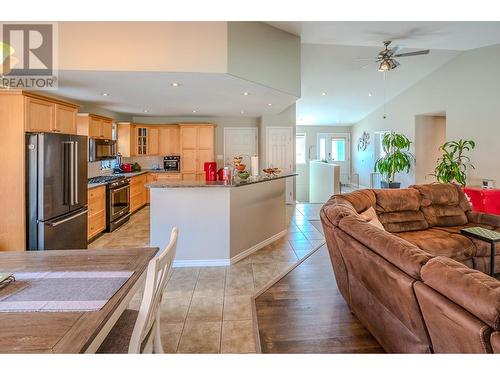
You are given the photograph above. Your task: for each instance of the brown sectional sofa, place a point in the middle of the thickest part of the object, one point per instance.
(419, 286)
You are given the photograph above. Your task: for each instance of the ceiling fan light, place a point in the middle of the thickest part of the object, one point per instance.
(384, 65)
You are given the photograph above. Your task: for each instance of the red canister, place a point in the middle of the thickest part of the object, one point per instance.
(127, 167)
(210, 168)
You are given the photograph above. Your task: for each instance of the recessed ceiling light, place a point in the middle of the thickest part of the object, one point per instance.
(269, 104)
(105, 94)
(246, 93)
(242, 111)
(369, 94)
(175, 84)
(323, 93)
(194, 111)
(145, 111)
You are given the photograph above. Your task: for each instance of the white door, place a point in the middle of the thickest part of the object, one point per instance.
(335, 148)
(279, 154)
(240, 142)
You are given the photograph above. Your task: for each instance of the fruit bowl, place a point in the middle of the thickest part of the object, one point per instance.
(243, 175)
(272, 171)
(241, 167)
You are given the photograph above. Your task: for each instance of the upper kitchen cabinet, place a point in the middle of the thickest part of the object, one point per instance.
(196, 147)
(95, 126)
(45, 114)
(168, 140)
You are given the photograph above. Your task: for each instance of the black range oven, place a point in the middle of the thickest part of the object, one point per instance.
(117, 203)
(172, 163)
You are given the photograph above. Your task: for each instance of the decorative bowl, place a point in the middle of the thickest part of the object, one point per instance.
(241, 167)
(243, 175)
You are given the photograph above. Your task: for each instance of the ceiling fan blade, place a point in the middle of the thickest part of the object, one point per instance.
(416, 53)
(364, 59)
(395, 49)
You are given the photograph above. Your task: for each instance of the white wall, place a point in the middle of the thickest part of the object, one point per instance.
(261, 53)
(467, 89)
(302, 180)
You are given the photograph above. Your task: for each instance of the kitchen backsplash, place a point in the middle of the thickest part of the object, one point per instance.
(146, 162)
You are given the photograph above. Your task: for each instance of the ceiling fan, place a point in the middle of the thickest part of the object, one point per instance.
(386, 57)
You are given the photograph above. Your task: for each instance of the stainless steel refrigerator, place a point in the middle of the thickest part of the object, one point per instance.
(56, 191)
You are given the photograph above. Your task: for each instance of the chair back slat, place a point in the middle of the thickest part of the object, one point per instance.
(158, 273)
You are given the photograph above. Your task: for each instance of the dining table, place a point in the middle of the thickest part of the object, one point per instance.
(70, 331)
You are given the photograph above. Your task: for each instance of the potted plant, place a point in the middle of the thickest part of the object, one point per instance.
(452, 166)
(397, 158)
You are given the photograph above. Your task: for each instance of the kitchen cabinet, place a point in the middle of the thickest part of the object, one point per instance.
(196, 147)
(95, 126)
(168, 140)
(46, 115)
(153, 141)
(138, 192)
(97, 211)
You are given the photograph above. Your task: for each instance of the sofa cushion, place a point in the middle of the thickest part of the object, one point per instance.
(401, 254)
(437, 242)
(361, 200)
(442, 204)
(370, 216)
(475, 291)
(482, 247)
(398, 210)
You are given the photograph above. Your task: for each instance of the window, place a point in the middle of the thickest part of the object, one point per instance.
(379, 148)
(322, 149)
(333, 147)
(300, 148)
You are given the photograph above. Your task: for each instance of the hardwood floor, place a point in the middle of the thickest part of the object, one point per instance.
(305, 313)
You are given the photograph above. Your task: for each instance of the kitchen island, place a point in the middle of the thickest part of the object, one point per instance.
(219, 223)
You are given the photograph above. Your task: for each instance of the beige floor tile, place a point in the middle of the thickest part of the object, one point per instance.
(205, 309)
(237, 308)
(238, 337)
(207, 273)
(200, 337)
(209, 287)
(170, 335)
(242, 285)
(180, 288)
(174, 310)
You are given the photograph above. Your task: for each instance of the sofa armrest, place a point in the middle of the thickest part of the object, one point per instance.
(483, 218)
(473, 290)
(402, 254)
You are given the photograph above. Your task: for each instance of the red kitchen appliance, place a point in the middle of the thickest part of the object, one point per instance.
(127, 167)
(210, 168)
(484, 200)
(224, 174)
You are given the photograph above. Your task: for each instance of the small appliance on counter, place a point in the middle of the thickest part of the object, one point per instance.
(127, 167)
(172, 163)
(210, 168)
(224, 174)
(488, 183)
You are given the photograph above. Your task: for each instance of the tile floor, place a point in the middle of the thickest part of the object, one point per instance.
(208, 309)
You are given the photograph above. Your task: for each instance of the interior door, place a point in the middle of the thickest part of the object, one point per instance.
(279, 151)
(240, 141)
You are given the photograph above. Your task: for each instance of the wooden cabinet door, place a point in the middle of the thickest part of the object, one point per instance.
(189, 176)
(175, 140)
(96, 199)
(202, 157)
(106, 129)
(164, 134)
(95, 128)
(65, 121)
(39, 115)
(188, 161)
(205, 137)
(189, 137)
(153, 141)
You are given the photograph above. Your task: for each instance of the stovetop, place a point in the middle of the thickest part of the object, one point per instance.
(101, 179)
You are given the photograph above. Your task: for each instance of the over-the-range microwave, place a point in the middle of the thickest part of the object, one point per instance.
(101, 149)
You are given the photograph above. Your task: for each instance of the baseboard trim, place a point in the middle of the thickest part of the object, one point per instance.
(258, 246)
(228, 262)
(201, 263)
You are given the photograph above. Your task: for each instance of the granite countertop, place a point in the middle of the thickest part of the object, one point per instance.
(131, 174)
(237, 182)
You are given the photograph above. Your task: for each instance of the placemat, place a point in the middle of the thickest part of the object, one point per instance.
(61, 291)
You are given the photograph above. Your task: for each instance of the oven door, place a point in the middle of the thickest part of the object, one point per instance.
(119, 202)
(102, 149)
(171, 165)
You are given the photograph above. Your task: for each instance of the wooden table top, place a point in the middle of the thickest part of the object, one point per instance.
(66, 332)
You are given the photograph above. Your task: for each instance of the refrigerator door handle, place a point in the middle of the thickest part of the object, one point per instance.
(71, 173)
(75, 174)
(59, 222)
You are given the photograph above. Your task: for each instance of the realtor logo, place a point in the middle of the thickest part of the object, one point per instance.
(28, 56)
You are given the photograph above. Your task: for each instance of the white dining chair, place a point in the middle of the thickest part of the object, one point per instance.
(139, 331)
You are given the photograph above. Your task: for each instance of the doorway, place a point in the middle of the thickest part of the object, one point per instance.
(279, 154)
(335, 148)
(430, 134)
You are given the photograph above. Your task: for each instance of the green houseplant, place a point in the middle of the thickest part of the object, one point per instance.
(397, 158)
(452, 166)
